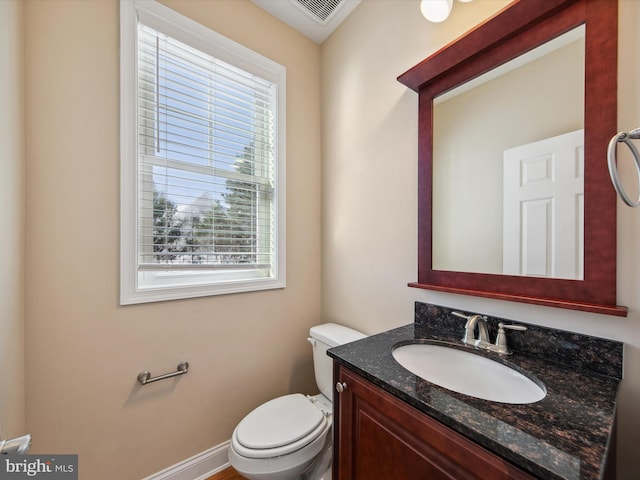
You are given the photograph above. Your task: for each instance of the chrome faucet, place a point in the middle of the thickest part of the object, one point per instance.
(482, 341)
(470, 329)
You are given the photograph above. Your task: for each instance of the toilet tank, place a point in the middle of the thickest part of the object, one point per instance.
(323, 337)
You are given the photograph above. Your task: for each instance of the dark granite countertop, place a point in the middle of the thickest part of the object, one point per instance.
(565, 436)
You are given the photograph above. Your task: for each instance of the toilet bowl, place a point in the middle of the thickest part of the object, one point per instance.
(281, 438)
(289, 437)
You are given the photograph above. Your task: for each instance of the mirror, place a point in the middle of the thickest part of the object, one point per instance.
(442, 81)
(501, 144)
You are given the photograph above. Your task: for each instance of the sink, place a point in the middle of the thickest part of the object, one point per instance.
(468, 373)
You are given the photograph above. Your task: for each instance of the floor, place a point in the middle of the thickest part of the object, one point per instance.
(227, 474)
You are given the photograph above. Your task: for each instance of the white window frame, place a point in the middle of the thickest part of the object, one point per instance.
(171, 285)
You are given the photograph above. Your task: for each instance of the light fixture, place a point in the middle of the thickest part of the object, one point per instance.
(437, 11)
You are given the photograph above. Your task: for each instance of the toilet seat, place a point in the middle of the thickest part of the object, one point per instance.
(278, 427)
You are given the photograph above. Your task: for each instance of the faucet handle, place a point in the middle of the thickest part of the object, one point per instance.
(501, 339)
(468, 318)
(522, 328)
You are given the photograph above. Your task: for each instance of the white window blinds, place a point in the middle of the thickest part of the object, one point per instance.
(205, 160)
(206, 167)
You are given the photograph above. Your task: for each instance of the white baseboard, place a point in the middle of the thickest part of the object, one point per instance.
(198, 467)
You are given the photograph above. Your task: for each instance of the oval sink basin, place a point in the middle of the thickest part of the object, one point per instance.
(468, 373)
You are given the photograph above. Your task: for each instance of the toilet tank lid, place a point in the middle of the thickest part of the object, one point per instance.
(333, 334)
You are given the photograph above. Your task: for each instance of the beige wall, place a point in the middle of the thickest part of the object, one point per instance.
(84, 351)
(12, 191)
(369, 187)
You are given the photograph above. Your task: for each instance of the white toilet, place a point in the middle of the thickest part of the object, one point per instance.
(289, 437)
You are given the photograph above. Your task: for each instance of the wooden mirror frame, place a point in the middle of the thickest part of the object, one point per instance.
(520, 27)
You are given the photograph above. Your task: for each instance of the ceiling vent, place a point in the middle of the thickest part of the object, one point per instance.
(320, 10)
(316, 19)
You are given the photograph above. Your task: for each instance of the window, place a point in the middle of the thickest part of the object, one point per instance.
(202, 160)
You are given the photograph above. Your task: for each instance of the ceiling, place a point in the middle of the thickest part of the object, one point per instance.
(316, 19)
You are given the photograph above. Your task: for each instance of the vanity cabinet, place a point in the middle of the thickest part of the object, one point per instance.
(379, 437)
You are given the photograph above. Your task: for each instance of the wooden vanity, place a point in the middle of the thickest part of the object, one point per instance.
(390, 424)
(381, 437)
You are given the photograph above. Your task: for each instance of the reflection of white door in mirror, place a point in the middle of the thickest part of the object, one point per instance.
(544, 208)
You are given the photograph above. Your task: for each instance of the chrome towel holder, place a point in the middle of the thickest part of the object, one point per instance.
(145, 377)
(624, 137)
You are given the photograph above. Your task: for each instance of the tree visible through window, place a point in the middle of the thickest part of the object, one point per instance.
(209, 231)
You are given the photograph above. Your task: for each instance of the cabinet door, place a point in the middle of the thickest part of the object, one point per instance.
(378, 437)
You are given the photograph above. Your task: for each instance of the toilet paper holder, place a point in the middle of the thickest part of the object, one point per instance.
(145, 377)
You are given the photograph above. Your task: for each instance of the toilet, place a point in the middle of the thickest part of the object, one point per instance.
(289, 437)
